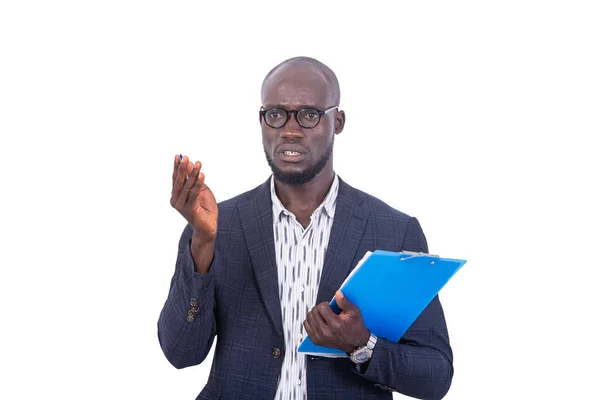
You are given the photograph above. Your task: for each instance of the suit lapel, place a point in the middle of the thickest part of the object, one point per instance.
(256, 216)
(346, 233)
(349, 223)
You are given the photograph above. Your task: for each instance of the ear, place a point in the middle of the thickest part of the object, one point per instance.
(339, 122)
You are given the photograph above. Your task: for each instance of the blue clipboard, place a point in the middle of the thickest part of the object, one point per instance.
(391, 289)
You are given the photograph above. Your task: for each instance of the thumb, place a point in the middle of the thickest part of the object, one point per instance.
(343, 302)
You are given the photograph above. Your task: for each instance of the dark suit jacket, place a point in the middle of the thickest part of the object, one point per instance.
(238, 301)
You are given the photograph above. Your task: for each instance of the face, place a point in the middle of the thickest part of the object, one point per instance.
(296, 154)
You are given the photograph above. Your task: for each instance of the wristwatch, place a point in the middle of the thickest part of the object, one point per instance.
(363, 354)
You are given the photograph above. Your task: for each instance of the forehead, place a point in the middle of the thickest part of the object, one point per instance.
(297, 86)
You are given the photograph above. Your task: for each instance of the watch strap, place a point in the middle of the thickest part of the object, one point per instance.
(366, 348)
(372, 342)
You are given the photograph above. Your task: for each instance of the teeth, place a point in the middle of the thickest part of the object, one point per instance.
(291, 153)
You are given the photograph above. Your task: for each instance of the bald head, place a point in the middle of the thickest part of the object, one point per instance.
(305, 64)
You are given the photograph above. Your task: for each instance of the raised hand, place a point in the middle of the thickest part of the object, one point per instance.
(193, 199)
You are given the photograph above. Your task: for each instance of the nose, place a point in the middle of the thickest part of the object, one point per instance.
(292, 130)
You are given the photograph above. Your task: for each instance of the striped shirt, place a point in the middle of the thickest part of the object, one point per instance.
(300, 253)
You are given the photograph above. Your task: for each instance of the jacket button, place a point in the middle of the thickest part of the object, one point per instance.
(276, 353)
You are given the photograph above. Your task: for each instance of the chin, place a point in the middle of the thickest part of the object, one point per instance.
(298, 173)
(288, 168)
(292, 177)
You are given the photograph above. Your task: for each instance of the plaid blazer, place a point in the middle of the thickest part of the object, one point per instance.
(238, 302)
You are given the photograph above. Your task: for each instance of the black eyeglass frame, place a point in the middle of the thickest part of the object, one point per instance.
(263, 111)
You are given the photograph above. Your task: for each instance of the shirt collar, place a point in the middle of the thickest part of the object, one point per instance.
(328, 203)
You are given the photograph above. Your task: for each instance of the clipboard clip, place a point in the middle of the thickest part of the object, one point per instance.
(419, 253)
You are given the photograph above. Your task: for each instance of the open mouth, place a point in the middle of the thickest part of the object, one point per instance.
(291, 156)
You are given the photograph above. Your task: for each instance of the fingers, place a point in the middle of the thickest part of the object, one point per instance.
(185, 176)
(189, 168)
(194, 171)
(320, 322)
(326, 314)
(176, 189)
(198, 185)
(313, 327)
(175, 163)
(180, 175)
(201, 176)
(309, 331)
(178, 160)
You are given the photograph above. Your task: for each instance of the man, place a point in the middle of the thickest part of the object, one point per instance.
(258, 270)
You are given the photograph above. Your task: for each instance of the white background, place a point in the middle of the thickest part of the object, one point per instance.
(478, 118)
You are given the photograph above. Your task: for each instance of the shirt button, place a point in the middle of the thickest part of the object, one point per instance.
(298, 382)
(276, 353)
(300, 336)
(302, 288)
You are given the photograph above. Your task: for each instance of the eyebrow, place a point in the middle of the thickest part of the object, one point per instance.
(268, 106)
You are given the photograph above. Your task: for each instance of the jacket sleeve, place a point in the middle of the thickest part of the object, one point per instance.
(187, 324)
(420, 364)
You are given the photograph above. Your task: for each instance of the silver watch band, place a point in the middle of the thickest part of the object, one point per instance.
(372, 342)
(368, 349)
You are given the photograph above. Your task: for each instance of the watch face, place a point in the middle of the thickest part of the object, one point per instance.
(362, 356)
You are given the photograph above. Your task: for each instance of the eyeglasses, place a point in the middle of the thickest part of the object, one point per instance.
(306, 117)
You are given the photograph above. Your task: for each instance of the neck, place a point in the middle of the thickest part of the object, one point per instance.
(303, 200)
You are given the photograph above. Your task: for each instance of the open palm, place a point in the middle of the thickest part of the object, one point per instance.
(193, 198)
